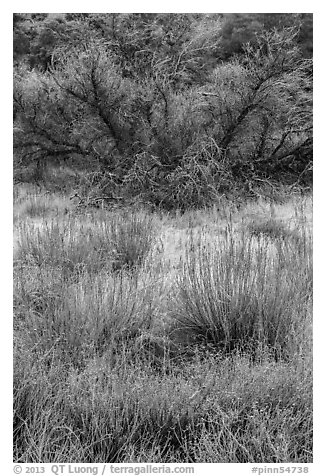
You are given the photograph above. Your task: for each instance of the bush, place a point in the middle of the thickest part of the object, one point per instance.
(177, 146)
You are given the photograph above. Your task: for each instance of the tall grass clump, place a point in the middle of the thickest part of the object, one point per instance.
(68, 245)
(118, 241)
(241, 291)
(93, 315)
(74, 294)
(131, 234)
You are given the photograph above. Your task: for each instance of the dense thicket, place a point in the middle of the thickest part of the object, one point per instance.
(175, 108)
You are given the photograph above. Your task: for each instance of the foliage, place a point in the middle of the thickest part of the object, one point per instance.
(143, 39)
(143, 99)
(241, 28)
(259, 108)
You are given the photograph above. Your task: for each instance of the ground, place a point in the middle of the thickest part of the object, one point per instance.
(162, 337)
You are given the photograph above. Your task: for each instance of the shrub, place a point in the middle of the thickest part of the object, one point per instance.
(250, 119)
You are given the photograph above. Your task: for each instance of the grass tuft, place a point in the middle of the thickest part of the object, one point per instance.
(132, 236)
(243, 292)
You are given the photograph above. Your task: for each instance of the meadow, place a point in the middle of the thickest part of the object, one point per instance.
(149, 336)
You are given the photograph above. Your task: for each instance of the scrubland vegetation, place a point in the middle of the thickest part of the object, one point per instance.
(154, 337)
(163, 238)
(168, 109)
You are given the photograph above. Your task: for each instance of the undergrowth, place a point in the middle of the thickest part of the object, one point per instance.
(120, 355)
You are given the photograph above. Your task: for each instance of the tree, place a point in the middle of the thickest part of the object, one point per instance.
(167, 121)
(258, 107)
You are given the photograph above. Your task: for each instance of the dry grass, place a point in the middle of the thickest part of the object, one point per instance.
(240, 291)
(30, 202)
(146, 338)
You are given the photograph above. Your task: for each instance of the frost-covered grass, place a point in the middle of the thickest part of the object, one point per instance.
(153, 338)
